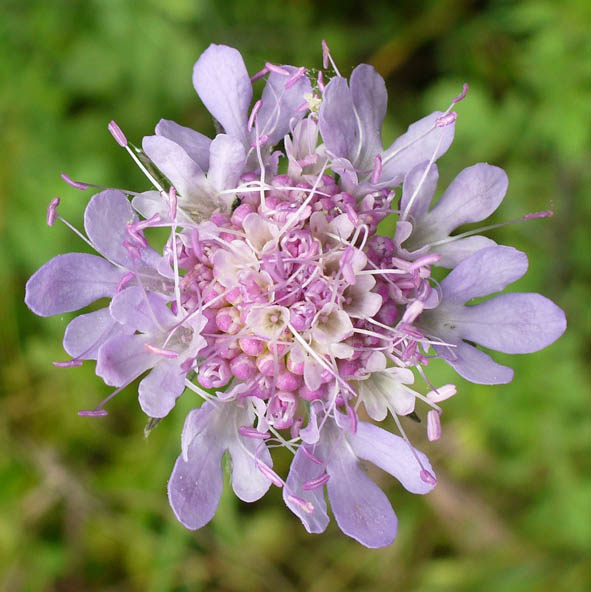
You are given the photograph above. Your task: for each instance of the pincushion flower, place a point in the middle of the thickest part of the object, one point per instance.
(276, 300)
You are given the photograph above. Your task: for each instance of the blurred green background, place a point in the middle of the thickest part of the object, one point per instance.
(83, 502)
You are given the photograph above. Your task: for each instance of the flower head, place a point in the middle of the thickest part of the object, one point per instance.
(278, 302)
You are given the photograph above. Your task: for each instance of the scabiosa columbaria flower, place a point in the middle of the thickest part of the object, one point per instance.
(277, 301)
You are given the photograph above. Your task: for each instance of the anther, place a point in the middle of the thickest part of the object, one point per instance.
(325, 54)
(254, 113)
(259, 74)
(117, 134)
(377, 169)
(166, 353)
(299, 73)
(93, 413)
(462, 94)
(172, 206)
(75, 184)
(277, 69)
(68, 364)
(446, 120)
(52, 211)
(433, 425)
(316, 483)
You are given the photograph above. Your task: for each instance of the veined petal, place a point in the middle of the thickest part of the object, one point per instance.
(105, 220)
(195, 486)
(248, 483)
(370, 99)
(69, 282)
(422, 140)
(159, 390)
(278, 111)
(419, 185)
(486, 272)
(123, 358)
(474, 365)
(196, 145)
(512, 323)
(227, 161)
(222, 83)
(360, 507)
(471, 197)
(143, 311)
(182, 171)
(304, 470)
(86, 333)
(454, 252)
(336, 120)
(392, 454)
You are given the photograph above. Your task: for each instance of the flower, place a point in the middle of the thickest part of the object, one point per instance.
(276, 300)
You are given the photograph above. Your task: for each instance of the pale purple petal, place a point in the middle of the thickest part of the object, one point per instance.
(471, 197)
(474, 365)
(360, 507)
(454, 252)
(143, 311)
(248, 483)
(196, 145)
(86, 333)
(419, 184)
(222, 82)
(486, 272)
(336, 120)
(303, 470)
(227, 161)
(392, 454)
(279, 106)
(195, 486)
(172, 160)
(123, 358)
(196, 421)
(370, 99)
(105, 221)
(69, 282)
(512, 323)
(159, 391)
(422, 140)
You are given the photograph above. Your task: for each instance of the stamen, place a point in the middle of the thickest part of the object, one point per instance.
(269, 473)
(433, 426)
(124, 281)
(313, 458)
(320, 81)
(299, 73)
(68, 364)
(172, 207)
(446, 119)
(167, 353)
(377, 169)
(277, 69)
(259, 74)
(251, 432)
(308, 507)
(462, 94)
(428, 477)
(93, 413)
(316, 483)
(117, 134)
(325, 52)
(254, 113)
(75, 184)
(539, 215)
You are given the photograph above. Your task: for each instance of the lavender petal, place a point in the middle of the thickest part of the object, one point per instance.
(69, 282)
